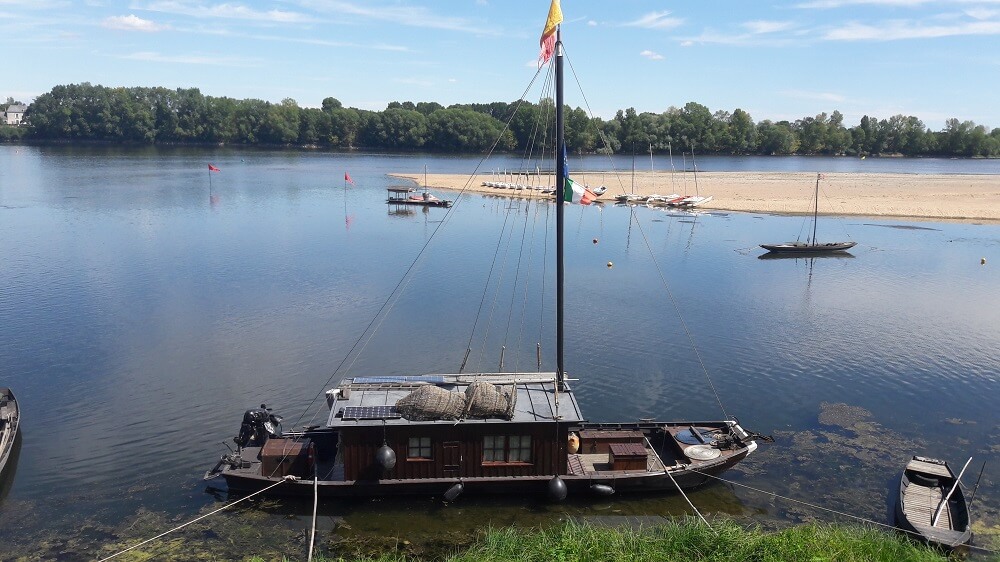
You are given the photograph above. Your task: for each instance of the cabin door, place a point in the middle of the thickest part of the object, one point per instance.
(452, 459)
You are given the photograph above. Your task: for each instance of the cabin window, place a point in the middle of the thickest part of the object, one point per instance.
(419, 448)
(520, 448)
(493, 448)
(507, 449)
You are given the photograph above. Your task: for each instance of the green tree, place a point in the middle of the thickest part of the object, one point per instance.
(776, 138)
(462, 129)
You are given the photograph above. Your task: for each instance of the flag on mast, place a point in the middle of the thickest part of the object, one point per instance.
(212, 168)
(347, 178)
(572, 192)
(548, 39)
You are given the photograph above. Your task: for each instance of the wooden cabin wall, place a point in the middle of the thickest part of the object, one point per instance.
(548, 451)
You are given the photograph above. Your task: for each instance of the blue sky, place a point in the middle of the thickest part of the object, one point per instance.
(777, 60)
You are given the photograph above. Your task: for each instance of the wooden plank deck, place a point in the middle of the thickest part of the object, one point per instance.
(920, 504)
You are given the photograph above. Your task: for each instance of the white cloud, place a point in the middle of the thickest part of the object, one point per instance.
(829, 4)
(814, 96)
(150, 56)
(656, 20)
(982, 13)
(592, 23)
(132, 22)
(898, 30)
(413, 16)
(762, 26)
(225, 11)
(651, 55)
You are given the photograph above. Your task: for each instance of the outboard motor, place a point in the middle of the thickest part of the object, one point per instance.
(258, 425)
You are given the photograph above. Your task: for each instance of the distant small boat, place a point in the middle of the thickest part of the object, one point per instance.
(10, 417)
(409, 196)
(811, 246)
(931, 503)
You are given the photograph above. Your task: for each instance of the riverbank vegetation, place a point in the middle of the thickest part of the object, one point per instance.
(142, 115)
(686, 540)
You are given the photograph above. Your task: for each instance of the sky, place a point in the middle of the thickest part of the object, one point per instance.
(934, 59)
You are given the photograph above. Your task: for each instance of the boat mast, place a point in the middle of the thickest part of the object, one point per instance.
(560, 188)
(816, 209)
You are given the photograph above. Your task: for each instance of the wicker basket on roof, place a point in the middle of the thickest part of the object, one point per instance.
(487, 400)
(431, 403)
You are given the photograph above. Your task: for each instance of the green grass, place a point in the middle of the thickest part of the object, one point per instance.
(687, 541)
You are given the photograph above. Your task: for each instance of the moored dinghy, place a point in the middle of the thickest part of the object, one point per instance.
(931, 503)
(10, 417)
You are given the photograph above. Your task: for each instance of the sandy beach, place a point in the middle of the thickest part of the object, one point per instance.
(937, 197)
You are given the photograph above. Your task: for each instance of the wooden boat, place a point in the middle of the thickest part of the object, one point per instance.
(931, 503)
(10, 417)
(810, 246)
(488, 433)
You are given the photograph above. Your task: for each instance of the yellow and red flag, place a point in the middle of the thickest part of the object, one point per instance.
(548, 40)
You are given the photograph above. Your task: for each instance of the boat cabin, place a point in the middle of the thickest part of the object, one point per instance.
(452, 426)
(407, 196)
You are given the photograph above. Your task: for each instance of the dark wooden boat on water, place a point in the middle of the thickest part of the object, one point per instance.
(477, 433)
(811, 246)
(10, 417)
(488, 433)
(931, 503)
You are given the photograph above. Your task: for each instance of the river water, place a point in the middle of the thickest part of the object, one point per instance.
(145, 303)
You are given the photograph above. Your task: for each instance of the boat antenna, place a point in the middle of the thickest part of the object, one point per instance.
(560, 186)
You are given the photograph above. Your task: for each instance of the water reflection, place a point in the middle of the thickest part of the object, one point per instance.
(160, 319)
(806, 258)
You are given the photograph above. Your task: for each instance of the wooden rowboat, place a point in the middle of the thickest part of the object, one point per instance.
(9, 422)
(931, 503)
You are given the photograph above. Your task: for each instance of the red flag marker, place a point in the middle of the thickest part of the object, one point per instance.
(212, 168)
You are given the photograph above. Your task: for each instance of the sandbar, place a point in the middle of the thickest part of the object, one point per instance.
(944, 197)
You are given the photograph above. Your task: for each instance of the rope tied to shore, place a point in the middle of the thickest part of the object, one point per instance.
(196, 519)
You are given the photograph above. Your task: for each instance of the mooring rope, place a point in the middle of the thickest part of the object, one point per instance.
(195, 520)
(679, 489)
(827, 509)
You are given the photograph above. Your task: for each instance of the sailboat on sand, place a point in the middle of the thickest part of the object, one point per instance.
(811, 246)
(499, 433)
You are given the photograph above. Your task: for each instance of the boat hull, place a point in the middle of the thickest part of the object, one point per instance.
(687, 474)
(10, 417)
(802, 248)
(923, 485)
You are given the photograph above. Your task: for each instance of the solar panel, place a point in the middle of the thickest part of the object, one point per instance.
(371, 413)
(399, 379)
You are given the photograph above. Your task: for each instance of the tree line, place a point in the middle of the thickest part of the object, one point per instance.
(144, 115)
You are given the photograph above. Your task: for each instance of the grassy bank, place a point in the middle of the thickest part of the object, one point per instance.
(687, 541)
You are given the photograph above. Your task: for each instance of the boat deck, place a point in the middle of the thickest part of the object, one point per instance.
(921, 502)
(582, 464)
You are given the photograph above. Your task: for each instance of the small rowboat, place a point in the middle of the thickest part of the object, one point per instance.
(931, 503)
(9, 420)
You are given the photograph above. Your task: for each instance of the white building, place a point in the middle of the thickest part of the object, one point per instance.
(14, 114)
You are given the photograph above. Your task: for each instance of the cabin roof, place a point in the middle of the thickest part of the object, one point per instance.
(401, 190)
(370, 401)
